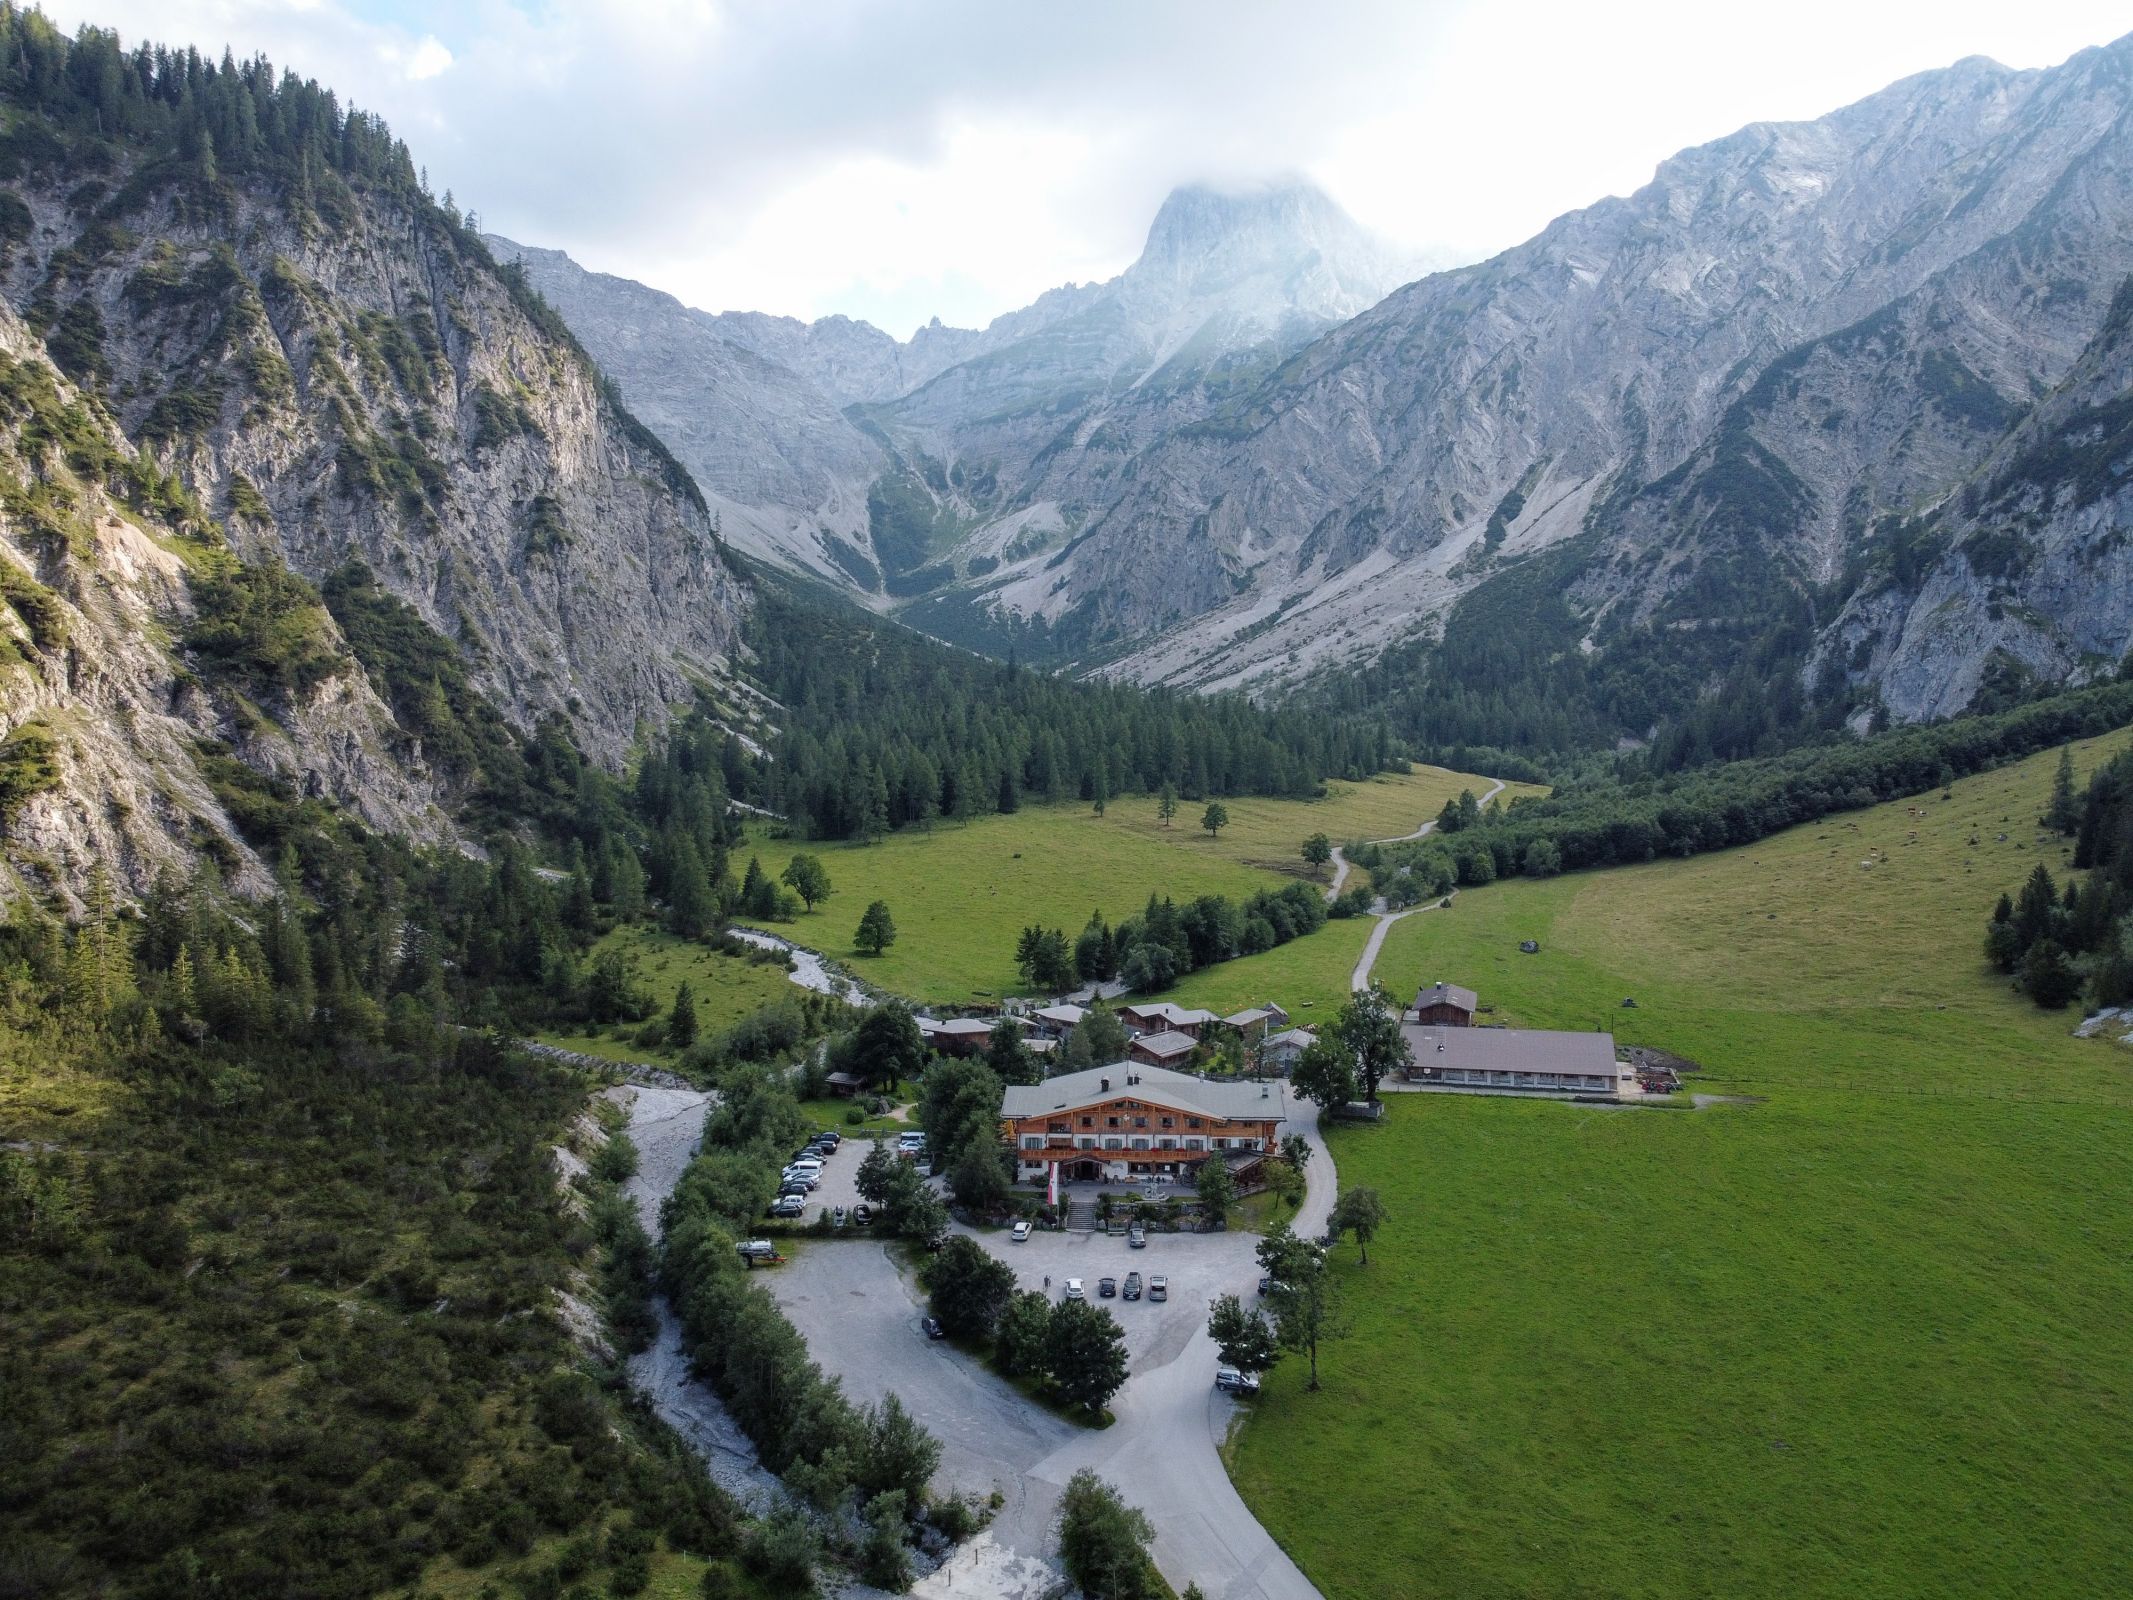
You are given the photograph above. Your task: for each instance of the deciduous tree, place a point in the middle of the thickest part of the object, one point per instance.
(808, 878)
(885, 1048)
(970, 1288)
(1103, 1542)
(1360, 1212)
(1303, 1295)
(1085, 1352)
(1020, 1349)
(1243, 1337)
(877, 929)
(1216, 1189)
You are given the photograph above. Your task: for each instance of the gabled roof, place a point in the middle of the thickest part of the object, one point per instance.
(1167, 1044)
(955, 1027)
(1065, 1016)
(1302, 1038)
(1512, 1050)
(1239, 1102)
(1447, 994)
(1244, 1019)
(1176, 1015)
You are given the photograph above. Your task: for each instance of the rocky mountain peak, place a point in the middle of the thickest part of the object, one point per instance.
(1313, 257)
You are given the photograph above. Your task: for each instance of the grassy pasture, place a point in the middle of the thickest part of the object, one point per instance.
(725, 988)
(1270, 833)
(1867, 1336)
(961, 892)
(1307, 975)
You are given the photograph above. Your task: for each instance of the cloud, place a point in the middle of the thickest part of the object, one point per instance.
(429, 58)
(895, 160)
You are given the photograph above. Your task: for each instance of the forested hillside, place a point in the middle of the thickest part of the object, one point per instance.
(2061, 943)
(882, 728)
(296, 357)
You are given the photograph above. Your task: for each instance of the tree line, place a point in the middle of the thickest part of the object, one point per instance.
(2058, 945)
(1606, 822)
(1165, 941)
(883, 729)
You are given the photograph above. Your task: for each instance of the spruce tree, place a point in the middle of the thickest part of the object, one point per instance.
(2061, 815)
(681, 1021)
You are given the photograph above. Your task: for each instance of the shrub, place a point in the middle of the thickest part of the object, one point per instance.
(1103, 1542)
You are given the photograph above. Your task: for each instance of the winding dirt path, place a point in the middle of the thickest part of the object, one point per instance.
(1359, 980)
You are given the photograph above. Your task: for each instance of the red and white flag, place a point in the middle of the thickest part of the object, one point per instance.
(1052, 1195)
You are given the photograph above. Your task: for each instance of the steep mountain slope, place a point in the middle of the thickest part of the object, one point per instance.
(2019, 578)
(899, 467)
(117, 754)
(277, 349)
(1691, 408)
(779, 463)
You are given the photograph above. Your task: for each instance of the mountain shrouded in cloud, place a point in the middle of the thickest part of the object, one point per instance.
(835, 448)
(1739, 417)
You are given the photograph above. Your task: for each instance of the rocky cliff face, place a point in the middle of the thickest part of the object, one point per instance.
(368, 385)
(276, 367)
(1705, 400)
(905, 468)
(113, 738)
(782, 468)
(2022, 576)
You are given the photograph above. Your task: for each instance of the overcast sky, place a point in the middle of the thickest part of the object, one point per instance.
(897, 160)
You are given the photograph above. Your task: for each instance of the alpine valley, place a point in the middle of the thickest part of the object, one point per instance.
(604, 906)
(1841, 400)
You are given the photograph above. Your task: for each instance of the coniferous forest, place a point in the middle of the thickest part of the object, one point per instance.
(884, 728)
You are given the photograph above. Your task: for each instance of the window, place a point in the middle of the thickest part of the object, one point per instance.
(1088, 1122)
(1192, 1122)
(1110, 1122)
(1193, 1144)
(1085, 1142)
(1113, 1142)
(1219, 1144)
(1140, 1122)
(1033, 1141)
(1170, 1122)
(1140, 1144)
(1166, 1143)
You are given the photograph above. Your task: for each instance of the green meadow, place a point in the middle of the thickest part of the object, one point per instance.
(1869, 1334)
(725, 988)
(961, 892)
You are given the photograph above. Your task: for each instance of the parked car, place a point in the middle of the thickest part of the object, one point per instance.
(863, 1214)
(1020, 1232)
(1236, 1382)
(837, 1218)
(1137, 1237)
(1073, 1289)
(1268, 1283)
(1133, 1286)
(790, 1205)
(1106, 1288)
(830, 1137)
(933, 1327)
(1158, 1286)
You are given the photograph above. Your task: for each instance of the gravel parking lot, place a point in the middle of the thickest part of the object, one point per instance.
(861, 1320)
